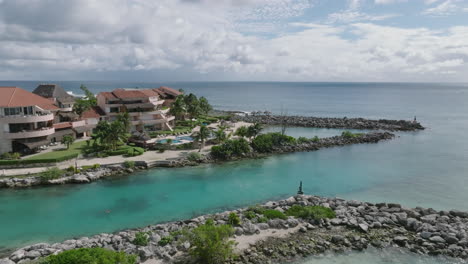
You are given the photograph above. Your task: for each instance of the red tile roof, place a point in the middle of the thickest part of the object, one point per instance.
(169, 90)
(17, 97)
(149, 92)
(108, 95)
(94, 112)
(129, 93)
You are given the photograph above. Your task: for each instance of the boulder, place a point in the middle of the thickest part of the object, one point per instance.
(437, 239)
(6, 261)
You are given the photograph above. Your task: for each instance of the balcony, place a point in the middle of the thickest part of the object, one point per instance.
(31, 133)
(18, 119)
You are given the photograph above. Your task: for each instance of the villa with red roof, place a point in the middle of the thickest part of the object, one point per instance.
(26, 120)
(148, 108)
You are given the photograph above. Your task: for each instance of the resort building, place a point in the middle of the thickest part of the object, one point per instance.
(57, 94)
(26, 120)
(148, 108)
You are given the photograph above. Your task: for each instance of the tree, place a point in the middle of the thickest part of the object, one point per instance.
(80, 106)
(254, 130)
(201, 136)
(220, 135)
(110, 134)
(210, 243)
(179, 108)
(193, 105)
(68, 140)
(242, 131)
(89, 96)
(124, 118)
(204, 105)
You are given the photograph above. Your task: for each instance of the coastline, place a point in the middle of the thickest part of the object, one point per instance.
(105, 171)
(357, 226)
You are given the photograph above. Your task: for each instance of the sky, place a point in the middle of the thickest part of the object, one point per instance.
(235, 40)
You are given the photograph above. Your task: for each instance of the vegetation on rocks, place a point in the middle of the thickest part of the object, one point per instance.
(348, 134)
(311, 212)
(194, 156)
(210, 242)
(90, 255)
(129, 164)
(267, 142)
(234, 219)
(165, 240)
(51, 174)
(231, 148)
(274, 214)
(141, 239)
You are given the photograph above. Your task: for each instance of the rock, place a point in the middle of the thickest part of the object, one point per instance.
(17, 255)
(425, 235)
(337, 239)
(145, 253)
(250, 229)
(459, 213)
(364, 227)
(32, 254)
(263, 226)
(437, 239)
(400, 240)
(80, 179)
(451, 240)
(6, 261)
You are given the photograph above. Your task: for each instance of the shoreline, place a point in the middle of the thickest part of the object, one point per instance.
(357, 226)
(105, 171)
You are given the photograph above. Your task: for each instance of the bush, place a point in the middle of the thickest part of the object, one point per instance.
(257, 209)
(348, 134)
(184, 146)
(194, 156)
(315, 139)
(135, 151)
(161, 150)
(50, 174)
(11, 156)
(165, 240)
(231, 148)
(267, 142)
(141, 239)
(96, 166)
(71, 169)
(234, 219)
(262, 219)
(90, 255)
(36, 161)
(302, 140)
(274, 214)
(250, 215)
(130, 164)
(210, 243)
(311, 212)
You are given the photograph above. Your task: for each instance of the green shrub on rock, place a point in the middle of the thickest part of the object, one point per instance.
(210, 243)
(165, 240)
(231, 148)
(129, 164)
(348, 134)
(141, 239)
(50, 174)
(274, 214)
(90, 256)
(315, 139)
(311, 212)
(267, 142)
(234, 219)
(250, 215)
(194, 156)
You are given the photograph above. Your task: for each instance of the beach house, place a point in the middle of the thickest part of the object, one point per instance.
(148, 108)
(26, 120)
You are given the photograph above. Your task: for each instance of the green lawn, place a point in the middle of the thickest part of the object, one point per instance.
(75, 148)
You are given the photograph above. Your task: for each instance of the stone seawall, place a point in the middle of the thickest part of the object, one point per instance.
(357, 225)
(324, 122)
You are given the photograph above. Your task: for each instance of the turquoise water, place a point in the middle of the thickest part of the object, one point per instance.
(426, 168)
(374, 256)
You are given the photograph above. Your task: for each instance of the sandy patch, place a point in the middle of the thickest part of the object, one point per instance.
(245, 241)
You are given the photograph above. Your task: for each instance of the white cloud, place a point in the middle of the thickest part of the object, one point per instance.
(386, 2)
(200, 36)
(355, 16)
(446, 8)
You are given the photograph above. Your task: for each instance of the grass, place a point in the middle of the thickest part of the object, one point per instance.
(75, 148)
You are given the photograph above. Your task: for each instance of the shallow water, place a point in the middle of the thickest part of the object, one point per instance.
(425, 168)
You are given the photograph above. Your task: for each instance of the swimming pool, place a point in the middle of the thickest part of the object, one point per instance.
(177, 140)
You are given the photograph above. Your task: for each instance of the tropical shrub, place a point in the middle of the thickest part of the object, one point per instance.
(194, 156)
(231, 148)
(250, 215)
(165, 240)
(11, 156)
(210, 243)
(234, 219)
(141, 239)
(302, 140)
(311, 212)
(274, 214)
(267, 142)
(262, 219)
(130, 164)
(348, 134)
(315, 139)
(71, 168)
(50, 174)
(135, 151)
(90, 255)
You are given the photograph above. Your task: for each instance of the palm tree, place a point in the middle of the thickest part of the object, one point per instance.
(254, 130)
(201, 136)
(179, 108)
(220, 135)
(68, 140)
(124, 118)
(242, 131)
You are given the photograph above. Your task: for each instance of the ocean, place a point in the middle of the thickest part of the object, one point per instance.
(425, 168)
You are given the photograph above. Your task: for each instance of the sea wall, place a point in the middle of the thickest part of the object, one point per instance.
(357, 226)
(119, 169)
(325, 122)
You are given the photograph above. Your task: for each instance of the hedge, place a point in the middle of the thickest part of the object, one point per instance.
(36, 161)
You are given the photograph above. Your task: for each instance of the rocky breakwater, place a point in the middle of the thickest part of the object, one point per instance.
(325, 122)
(87, 176)
(357, 225)
(313, 145)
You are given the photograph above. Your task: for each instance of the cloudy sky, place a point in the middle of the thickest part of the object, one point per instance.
(258, 40)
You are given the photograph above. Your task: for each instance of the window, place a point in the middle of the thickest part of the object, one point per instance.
(114, 109)
(12, 111)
